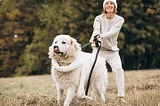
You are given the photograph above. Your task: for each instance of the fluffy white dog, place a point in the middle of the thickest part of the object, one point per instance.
(71, 68)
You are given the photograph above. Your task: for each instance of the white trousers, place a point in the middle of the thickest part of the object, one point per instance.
(114, 61)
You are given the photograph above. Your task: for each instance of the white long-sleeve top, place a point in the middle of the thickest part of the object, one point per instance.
(109, 30)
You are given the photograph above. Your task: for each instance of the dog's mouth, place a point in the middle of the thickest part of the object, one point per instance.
(56, 50)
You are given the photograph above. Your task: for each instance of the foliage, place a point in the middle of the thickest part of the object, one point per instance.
(70, 18)
(27, 28)
(16, 31)
(35, 56)
(142, 33)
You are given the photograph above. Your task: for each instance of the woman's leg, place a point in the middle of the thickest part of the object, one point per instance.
(116, 65)
(114, 61)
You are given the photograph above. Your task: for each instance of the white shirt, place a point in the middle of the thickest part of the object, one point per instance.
(109, 30)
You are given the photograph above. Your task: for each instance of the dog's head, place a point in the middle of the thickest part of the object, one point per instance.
(64, 45)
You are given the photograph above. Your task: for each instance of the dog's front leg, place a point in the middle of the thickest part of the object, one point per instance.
(59, 95)
(81, 91)
(69, 96)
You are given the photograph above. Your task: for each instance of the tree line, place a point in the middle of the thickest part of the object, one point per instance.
(27, 28)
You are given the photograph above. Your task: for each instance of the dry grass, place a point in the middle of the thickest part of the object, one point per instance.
(142, 89)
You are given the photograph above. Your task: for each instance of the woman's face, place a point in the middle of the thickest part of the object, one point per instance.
(109, 7)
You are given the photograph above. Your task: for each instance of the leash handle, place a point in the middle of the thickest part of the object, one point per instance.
(97, 42)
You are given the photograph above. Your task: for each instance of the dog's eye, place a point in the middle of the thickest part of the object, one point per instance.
(55, 42)
(63, 42)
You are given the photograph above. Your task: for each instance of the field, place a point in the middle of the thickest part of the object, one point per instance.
(142, 88)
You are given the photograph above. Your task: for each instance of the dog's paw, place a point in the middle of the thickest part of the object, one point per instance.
(87, 97)
(59, 102)
(80, 93)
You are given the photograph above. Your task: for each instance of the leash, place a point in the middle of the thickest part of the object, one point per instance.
(98, 45)
(96, 42)
(85, 45)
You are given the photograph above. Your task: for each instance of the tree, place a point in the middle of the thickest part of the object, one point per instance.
(16, 30)
(141, 34)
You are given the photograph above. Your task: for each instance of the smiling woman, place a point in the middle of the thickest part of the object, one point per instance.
(107, 25)
(110, 6)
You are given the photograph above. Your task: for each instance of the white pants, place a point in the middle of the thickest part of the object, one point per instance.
(114, 61)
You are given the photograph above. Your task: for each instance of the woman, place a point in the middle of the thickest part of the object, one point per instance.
(107, 26)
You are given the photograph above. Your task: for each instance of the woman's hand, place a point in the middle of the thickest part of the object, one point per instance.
(99, 38)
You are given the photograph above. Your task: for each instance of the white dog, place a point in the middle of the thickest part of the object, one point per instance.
(71, 68)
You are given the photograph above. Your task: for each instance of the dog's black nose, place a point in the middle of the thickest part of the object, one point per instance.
(55, 47)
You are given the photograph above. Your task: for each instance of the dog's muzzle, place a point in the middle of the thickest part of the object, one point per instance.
(56, 50)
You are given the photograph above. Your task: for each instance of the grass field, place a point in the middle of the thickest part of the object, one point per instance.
(142, 89)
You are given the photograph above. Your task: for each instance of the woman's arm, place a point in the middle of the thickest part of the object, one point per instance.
(96, 29)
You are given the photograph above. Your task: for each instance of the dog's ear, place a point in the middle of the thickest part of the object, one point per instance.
(75, 44)
(74, 47)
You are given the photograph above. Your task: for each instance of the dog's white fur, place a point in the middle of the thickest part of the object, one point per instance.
(71, 68)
